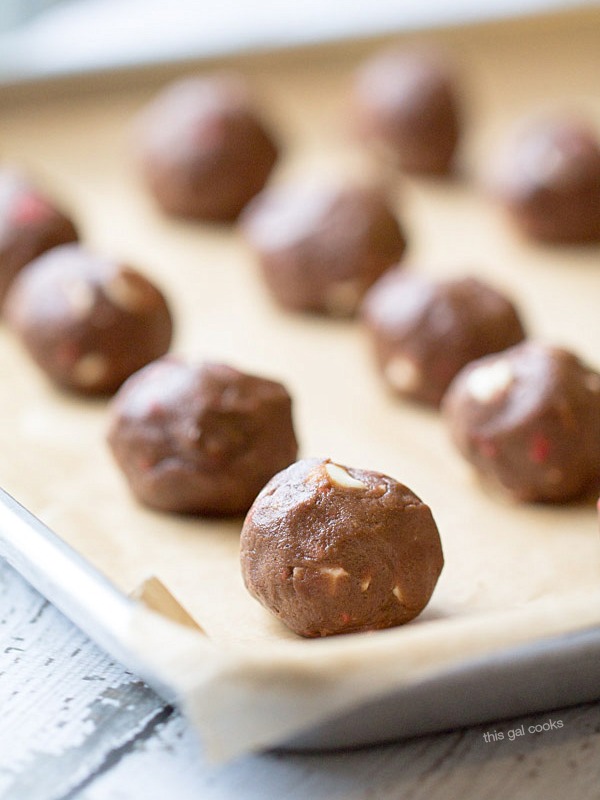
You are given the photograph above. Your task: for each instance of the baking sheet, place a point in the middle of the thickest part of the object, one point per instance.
(512, 573)
(72, 37)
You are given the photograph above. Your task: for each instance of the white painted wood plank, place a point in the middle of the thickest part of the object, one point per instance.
(65, 705)
(563, 765)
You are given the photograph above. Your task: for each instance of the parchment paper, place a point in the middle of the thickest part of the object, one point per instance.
(512, 573)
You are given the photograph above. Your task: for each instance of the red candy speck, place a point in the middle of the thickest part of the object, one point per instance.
(487, 448)
(29, 208)
(539, 449)
(66, 355)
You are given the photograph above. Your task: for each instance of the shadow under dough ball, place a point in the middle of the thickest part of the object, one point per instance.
(329, 549)
(528, 420)
(200, 439)
(407, 102)
(88, 321)
(30, 224)
(549, 182)
(204, 152)
(321, 244)
(425, 331)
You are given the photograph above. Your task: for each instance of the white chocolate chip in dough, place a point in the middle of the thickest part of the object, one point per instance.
(396, 591)
(365, 583)
(341, 298)
(592, 382)
(125, 291)
(335, 572)
(90, 370)
(333, 575)
(80, 296)
(487, 382)
(403, 374)
(338, 476)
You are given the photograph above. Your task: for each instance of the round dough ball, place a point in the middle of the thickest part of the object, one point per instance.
(30, 224)
(329, 549)
(203, 150)
(549, 181)
(406, 101)
(322, 244)
(87, 321)
(202, 439)
(528, 420)
(425, 331)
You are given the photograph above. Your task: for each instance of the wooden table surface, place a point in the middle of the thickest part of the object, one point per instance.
(75, 724)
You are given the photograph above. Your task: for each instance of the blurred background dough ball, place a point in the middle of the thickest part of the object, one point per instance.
(424, 331)
(321, 243)
(528, 420)
(87, 321)
(407, 102)
(203, 148)
(548, 179)
(30, 224)
(200, 438)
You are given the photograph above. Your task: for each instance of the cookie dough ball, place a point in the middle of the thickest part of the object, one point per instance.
(30, 224)
(407, 102)
(528, 420)
(425, 331)
(87, 321)
(321, 245)
(202, 439)
(549, 182)
(203, 149)
(329, 549)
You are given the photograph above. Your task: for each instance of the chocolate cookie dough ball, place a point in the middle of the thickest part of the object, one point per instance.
(329, 549)
(425, 331)
(87, 321)
(203, 149)
(30, 224)
(321, 245)
(202, 439)
(407, 102)
(528, 420)
(549, 182)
